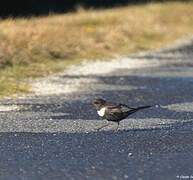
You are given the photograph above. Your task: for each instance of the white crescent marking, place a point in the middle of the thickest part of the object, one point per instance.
(101, 112)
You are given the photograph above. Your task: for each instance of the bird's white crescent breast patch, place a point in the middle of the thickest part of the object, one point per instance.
(101, 112)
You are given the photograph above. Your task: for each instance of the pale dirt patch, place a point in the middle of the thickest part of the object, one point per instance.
(181, 107)
(5, 108)
(71, 80)
(77, 77)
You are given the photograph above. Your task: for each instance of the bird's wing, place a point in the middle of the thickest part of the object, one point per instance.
(120, 111)
(114, 108)
(115, 112)
(118, 108)
(125, 108)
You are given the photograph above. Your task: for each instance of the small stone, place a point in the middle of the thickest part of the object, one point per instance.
(130, 154)
(156, 106)
(126, 176)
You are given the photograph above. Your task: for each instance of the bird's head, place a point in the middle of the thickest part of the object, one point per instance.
(99, 103)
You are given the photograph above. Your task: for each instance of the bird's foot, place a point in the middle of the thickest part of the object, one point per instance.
(117, 129)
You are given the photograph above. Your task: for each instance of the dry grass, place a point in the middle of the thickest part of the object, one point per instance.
(39, 46)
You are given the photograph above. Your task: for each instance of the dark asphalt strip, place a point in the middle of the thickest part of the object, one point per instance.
(126, 154)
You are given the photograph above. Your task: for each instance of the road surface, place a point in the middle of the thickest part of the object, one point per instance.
(51, 135)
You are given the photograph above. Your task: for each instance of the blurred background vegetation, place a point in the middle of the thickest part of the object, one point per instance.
(40, 37)
(40, 7)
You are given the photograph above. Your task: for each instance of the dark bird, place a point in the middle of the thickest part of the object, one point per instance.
(114, 112)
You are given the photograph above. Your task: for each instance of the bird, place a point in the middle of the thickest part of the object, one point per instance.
(113, 111)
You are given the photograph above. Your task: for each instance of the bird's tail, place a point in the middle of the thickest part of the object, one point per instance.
(138, 108)
(142, 107)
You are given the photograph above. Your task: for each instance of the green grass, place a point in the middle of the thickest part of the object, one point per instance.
(36, 47)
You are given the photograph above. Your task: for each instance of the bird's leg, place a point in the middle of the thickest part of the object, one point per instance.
(117, 126)
(103, 126)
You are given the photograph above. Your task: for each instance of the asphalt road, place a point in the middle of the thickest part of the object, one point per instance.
(53, 136)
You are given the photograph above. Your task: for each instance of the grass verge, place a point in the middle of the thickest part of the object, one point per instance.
(37, 47)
